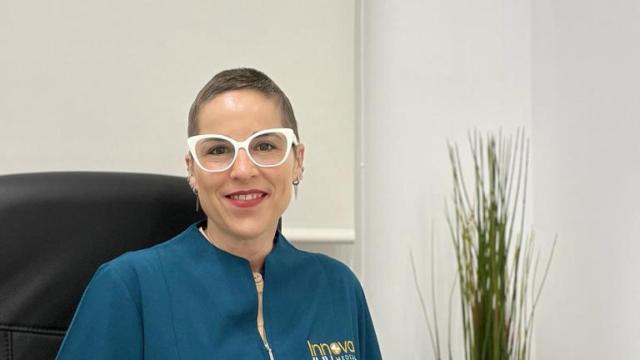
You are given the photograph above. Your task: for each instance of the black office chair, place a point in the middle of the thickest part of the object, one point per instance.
(57, 228)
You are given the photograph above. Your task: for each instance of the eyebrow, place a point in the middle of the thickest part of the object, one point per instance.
(229, 136)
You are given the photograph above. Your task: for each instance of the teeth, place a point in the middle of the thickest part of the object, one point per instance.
(246, 197)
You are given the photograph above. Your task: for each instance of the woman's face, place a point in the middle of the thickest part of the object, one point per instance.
(238, 114)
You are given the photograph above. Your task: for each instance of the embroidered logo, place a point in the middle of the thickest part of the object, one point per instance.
(335, 350)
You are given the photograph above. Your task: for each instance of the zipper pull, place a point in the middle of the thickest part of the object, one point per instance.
(266, 345)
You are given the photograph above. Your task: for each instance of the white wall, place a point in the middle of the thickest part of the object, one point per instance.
(431, 72)
(115, 81)
(586, 106)
(97, 85)
(568, 71)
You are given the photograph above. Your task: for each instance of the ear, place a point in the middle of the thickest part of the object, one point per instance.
(299, 161)
(193, 183)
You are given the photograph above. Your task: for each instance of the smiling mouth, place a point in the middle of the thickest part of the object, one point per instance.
(246, 197)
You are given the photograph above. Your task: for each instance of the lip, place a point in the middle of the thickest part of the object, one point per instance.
(256, 197)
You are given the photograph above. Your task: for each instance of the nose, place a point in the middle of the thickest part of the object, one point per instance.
(243, 167)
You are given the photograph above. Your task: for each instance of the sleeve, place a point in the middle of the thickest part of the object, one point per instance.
(367, 338)
(107, 323)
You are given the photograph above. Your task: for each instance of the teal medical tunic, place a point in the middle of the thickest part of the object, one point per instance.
(186, 299)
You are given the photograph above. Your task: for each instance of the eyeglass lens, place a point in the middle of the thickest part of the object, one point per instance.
(215, 153)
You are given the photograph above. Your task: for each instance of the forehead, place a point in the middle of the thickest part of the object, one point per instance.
(239, 113)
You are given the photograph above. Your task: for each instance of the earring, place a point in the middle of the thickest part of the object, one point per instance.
(194, 190)
(295, 183)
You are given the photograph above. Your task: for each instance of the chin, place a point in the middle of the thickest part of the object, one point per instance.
(250, 229)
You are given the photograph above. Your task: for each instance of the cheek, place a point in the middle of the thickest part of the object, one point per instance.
(284, 183)
(282, 179)
(208, 185)
(285, 194)
(290, 175)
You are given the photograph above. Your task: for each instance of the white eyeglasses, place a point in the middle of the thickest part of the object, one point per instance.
(266, 148)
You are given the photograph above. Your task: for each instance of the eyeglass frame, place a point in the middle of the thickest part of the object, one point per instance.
(290, 136)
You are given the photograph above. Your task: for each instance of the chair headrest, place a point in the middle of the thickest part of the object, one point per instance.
(57, 228)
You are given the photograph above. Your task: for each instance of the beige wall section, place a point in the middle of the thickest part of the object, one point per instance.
(107, 85)
(586, 107)
(432, 71)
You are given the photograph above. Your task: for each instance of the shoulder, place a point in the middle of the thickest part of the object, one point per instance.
(334, 268)
(135, 267)
(335, 271)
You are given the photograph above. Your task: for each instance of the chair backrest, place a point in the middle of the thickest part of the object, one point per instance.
(57, 228)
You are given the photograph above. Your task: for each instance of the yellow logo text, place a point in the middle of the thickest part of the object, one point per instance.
(329, 350)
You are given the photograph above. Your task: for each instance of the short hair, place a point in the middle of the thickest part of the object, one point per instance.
(238, 79)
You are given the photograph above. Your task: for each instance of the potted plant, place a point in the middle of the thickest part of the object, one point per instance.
(495, 259)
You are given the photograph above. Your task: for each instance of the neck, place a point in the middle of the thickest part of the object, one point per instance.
(255, 250)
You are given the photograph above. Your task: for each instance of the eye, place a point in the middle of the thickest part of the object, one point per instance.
(218, 150)
(264, 146)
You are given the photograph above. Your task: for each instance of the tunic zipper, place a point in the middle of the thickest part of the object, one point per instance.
(264, 342)
(266, 345)
(259, 281)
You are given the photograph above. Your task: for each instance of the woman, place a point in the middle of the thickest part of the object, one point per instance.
(230, 287)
